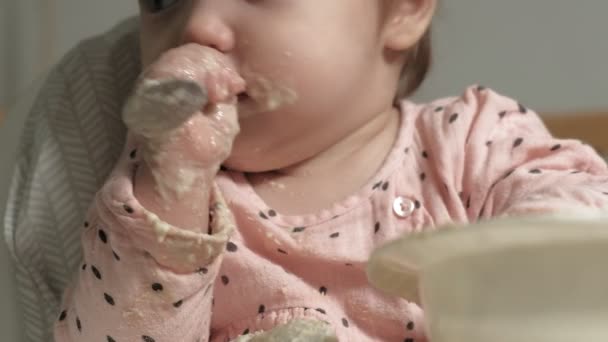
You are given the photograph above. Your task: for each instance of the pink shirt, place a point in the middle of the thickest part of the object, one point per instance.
(481, 155)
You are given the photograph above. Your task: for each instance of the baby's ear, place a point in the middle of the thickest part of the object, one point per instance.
(406, 21)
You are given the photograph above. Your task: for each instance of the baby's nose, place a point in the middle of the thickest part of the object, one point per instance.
(207, 24)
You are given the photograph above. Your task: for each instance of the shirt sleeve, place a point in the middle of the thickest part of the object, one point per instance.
(504, 162)
(142, 279)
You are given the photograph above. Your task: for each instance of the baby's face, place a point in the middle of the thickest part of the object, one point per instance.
(312, 68)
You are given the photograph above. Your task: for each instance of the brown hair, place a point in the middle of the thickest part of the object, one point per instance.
(416, 67)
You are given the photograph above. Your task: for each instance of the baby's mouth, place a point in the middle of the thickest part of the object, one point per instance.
(265, 95)
(242, 97)
(247, 105)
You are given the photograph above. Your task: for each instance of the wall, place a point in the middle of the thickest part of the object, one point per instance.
(550, 54)
(36, 33)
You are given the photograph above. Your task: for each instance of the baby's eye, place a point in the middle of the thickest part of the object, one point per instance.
(155, 6)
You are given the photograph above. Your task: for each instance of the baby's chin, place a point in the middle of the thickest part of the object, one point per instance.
(261, 160)
(253, 163)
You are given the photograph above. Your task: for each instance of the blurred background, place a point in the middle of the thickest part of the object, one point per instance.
(550, 54)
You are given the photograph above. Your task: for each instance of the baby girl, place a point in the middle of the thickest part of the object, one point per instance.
(271, 149)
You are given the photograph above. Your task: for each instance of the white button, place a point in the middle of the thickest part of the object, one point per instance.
(403, 207)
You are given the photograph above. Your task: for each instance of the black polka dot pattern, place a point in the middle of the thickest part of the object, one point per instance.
(261, 309)
(502, 114)
(225, 280)
(345, 322)
(272, 213)
(133, 154)
(417, 204)
(522, 108)
(299, 229)
(231, 247)
(423, 176)
(377, 185)
(409, 339)
(536, 171)
(110, 339)
(489, 143)
(334, 235)
(63, 315)
(245, 332)
(321, 311)
(262, 215)
(157, 287)
(116, 256)
(518, 142)
(468, 204)
(128, 209)
(410, 326)
(556, 147)
(377, 227)
(147, 339)
(86, 224)
(385, 186)
(323, 290)
(96, 272)
(425, 154)
(453, 118)
(438, 109)
(84, 267)
(102, 236)
(108, 299)
(78, 325)
(282, 251)
(178, 303)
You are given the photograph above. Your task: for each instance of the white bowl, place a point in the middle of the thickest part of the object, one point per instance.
(514, 280)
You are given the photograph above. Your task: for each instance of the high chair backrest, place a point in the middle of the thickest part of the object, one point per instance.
(72, 135)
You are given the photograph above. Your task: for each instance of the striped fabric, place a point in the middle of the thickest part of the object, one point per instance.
(71, 138)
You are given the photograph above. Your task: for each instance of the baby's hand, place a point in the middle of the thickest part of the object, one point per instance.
(183, 113)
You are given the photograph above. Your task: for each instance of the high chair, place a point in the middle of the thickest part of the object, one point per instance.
(72, 134)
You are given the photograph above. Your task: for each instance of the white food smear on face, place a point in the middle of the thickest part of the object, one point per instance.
(270, 95)
(277, 185)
